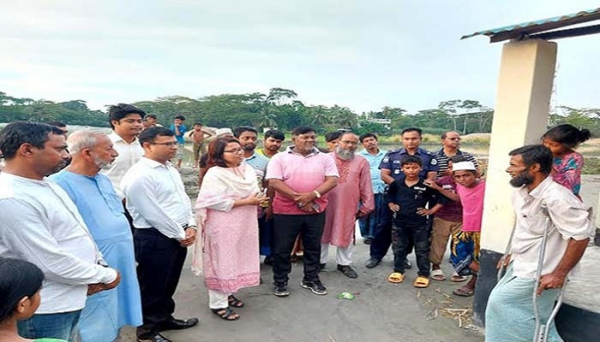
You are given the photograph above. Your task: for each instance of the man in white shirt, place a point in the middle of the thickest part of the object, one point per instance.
(540, 204)
(126, 122)
(164, 228)
(41, 224)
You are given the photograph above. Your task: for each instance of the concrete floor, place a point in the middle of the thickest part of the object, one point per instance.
(381, 311)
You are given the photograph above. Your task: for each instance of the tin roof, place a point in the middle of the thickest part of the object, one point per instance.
(524, 30)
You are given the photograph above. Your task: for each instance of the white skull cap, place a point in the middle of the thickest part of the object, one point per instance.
(466, 165)
(221, 131)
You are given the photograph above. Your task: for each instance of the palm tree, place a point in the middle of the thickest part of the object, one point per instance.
(267, 117)
(268, 120)
(344, 117)
(319, 115)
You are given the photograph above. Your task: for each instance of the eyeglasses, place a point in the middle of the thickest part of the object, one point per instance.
(168, 144)
(453, 138)
(237, 150)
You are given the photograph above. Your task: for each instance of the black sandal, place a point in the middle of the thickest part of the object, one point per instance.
(226, 314)
(234, 302)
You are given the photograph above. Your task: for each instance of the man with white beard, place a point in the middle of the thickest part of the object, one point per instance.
(353, 198)
(101, 209)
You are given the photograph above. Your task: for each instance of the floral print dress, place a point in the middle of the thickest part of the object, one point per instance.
(566, 171)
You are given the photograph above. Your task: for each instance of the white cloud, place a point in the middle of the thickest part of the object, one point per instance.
(359, 54)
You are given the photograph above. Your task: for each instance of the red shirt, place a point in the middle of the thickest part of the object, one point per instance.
(451, 211)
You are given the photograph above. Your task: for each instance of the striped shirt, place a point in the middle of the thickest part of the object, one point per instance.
(443, 159)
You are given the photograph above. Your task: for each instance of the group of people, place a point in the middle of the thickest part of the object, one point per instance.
(117, 217)
(109, 233)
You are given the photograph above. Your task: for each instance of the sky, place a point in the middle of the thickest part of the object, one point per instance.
(360, 54)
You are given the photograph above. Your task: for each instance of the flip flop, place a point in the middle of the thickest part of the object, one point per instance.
(464, 292)
(457, 278)
(396, 278)
(438, 275)
(421, 282)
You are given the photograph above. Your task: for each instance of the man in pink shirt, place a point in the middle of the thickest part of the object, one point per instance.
(301, 177)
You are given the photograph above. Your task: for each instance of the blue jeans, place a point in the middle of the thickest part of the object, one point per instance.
(59, 325)
(368, 224)
(266, 236)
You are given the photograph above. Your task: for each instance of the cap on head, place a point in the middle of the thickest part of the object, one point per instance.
(221, 131)
(465, 165)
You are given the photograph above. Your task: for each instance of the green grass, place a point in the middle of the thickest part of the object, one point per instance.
(591, 166)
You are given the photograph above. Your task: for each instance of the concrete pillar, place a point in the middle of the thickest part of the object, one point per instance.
(521, 115)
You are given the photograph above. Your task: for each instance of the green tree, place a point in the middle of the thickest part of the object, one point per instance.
(344, 117)
(280, 96)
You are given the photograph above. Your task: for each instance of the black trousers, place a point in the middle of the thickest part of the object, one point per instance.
(286, 230)
(382, 240)
(406, 236)
(160, 260)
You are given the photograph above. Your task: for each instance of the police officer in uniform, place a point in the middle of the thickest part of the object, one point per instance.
(391, 171)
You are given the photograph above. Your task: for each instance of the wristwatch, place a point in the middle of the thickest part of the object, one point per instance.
(317, 194)
(102, 263)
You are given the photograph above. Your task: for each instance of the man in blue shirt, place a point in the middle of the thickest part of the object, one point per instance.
(374, 156)
(179, 129)
(102, 211)
(391, 170)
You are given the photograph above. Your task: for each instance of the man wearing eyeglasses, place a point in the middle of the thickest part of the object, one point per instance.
(448, 220)
(352, 198)
(450, 148)
(164, 228)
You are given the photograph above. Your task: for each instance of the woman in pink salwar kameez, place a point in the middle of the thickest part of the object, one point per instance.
(227, 213)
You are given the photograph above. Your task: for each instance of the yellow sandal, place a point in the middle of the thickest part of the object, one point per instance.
(396, 278)
(421, 282)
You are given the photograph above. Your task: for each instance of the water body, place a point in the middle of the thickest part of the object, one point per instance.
(479, 151)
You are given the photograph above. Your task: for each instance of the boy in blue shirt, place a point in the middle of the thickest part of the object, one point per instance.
(408, 199)
(179, 129)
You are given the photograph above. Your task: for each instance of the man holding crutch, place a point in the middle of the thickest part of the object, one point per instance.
(540, 204)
